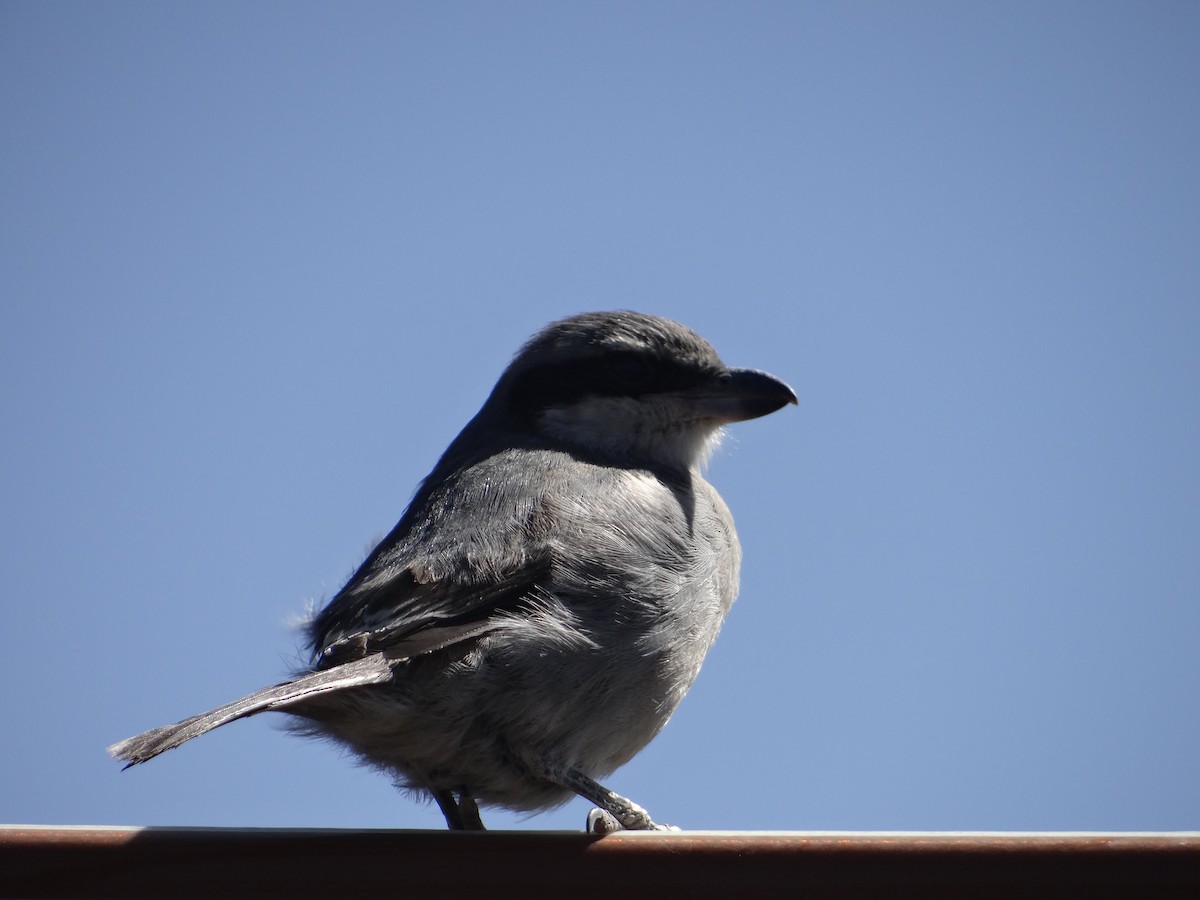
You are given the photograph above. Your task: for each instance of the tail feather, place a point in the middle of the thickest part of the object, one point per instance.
(371, 670)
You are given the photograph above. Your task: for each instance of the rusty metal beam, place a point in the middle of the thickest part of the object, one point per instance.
(40, 861)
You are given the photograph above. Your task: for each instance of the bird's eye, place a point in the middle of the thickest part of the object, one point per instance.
(628, 368)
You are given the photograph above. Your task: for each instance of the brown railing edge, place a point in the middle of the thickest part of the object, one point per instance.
(113, 861)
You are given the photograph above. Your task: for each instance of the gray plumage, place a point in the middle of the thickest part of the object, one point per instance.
(548, 597)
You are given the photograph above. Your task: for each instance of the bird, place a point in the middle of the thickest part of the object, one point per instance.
(548, 596)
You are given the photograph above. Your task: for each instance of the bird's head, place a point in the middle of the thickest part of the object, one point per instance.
(629, 387)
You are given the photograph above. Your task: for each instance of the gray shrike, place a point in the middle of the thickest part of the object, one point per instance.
(549, 594)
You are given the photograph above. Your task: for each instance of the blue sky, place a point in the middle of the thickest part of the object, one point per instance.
(260, 262)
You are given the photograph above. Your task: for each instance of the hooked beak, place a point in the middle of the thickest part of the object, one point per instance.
(740, 394)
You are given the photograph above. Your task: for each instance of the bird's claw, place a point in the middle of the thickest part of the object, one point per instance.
(600, 821)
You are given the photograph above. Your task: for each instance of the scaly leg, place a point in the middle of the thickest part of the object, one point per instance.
(461, 812)
(626, 813)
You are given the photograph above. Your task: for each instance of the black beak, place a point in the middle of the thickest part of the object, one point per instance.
(740, 394)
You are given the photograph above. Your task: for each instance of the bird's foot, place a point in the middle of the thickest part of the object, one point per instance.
(601, 822)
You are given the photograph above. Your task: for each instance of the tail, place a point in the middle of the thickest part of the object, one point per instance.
(373, 669)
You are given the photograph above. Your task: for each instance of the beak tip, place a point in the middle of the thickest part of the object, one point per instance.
(762, 393)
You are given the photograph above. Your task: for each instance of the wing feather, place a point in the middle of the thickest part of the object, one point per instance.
(470, 545)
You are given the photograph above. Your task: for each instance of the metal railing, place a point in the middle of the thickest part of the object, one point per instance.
(40, 861)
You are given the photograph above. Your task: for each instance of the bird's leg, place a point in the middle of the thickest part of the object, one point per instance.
(445, 800)
(468, 812)
(626, 813)
(462, 813)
